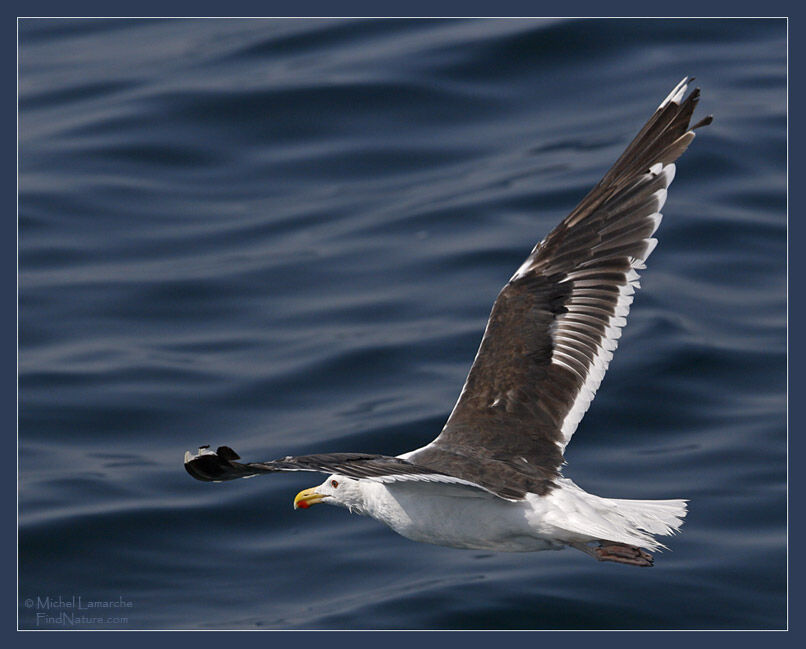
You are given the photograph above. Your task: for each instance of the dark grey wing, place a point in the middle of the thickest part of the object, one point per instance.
(554, 326)
(222, 464)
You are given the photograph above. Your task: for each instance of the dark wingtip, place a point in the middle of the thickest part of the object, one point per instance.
(226, 453)
(705, 121)
(208, 466)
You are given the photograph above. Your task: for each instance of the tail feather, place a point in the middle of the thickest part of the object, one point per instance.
(586, 517)
(662, 517)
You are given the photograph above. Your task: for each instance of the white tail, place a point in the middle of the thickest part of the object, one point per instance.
(634, 522)
(662, 517)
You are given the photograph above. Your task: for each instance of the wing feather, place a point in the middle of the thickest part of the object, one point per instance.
(222, 464)
(555, 325)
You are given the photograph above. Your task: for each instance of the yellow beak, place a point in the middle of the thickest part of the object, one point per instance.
(307, 497)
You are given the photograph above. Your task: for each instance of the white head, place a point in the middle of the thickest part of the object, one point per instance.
(336, 490)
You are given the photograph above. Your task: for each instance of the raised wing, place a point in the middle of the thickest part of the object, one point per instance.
(555, 325)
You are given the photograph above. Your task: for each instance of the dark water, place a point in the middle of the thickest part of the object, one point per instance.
(286, 236)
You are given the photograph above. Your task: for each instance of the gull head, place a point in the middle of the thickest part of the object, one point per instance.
(335, 490)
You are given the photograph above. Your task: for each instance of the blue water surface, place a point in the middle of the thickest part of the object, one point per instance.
(286, 236)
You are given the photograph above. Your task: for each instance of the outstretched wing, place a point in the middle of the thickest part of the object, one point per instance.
(555, 325)
(222, 464)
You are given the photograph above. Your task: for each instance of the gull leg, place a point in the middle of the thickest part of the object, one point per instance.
(617, 552)
(622, 553)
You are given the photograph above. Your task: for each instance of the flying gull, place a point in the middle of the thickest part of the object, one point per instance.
(492, 478)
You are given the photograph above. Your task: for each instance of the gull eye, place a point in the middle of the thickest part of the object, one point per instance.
(334, 483)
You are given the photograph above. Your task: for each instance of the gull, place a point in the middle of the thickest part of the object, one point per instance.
(492, 479)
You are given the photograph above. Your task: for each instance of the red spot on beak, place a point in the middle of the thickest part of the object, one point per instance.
(302, 505)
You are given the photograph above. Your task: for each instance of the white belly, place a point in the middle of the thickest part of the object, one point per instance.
(467, 517)
(459, 517)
